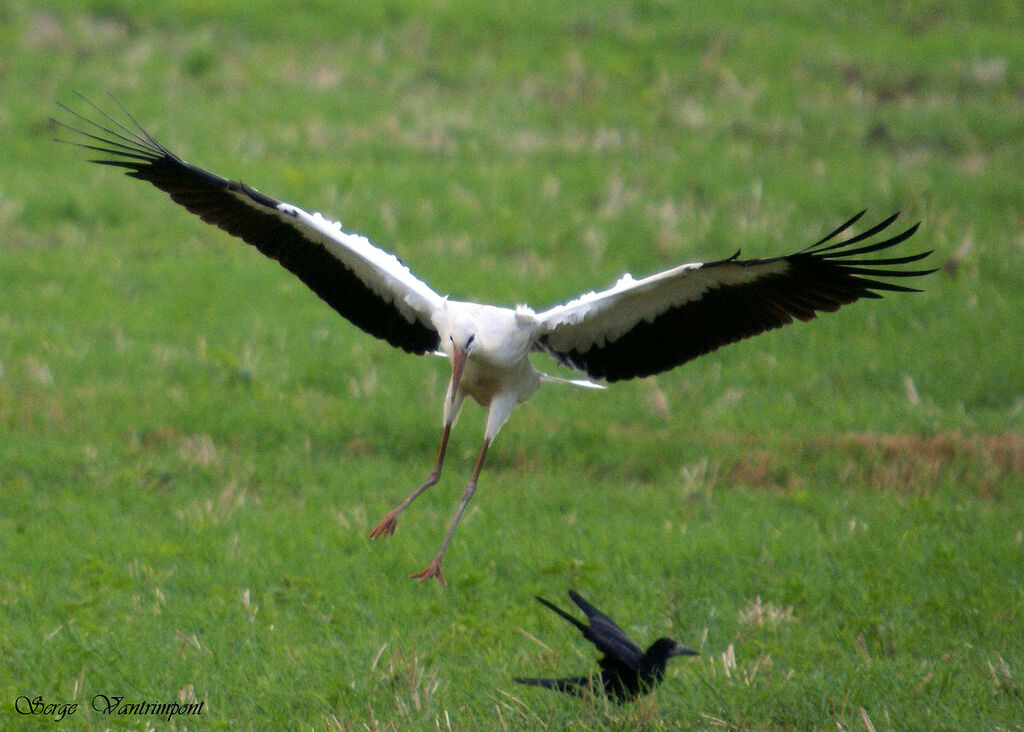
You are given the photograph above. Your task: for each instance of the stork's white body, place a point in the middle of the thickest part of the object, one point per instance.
(637, 327)
(498, 373)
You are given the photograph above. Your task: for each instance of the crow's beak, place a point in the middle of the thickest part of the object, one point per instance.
(681, 650)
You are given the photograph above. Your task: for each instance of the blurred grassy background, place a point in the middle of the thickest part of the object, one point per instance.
(194, 447)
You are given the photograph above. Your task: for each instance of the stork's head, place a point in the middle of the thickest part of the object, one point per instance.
(462, 334)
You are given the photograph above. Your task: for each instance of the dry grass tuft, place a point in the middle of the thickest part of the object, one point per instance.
(759, 613)
(414, 686)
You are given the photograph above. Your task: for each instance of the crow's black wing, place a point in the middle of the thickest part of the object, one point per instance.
(563, 613)
(609, 638)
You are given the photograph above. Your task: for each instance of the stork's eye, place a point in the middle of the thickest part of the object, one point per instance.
(469, 340)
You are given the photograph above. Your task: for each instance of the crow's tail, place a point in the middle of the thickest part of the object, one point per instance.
(570, 685)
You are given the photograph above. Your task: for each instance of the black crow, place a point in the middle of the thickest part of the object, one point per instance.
(626, 671)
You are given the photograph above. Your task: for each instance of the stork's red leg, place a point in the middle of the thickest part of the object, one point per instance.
(386, 527)
(434, 568)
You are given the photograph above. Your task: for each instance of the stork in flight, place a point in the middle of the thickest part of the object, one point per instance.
(637, 327)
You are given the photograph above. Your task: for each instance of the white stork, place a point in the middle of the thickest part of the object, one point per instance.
(637, 327)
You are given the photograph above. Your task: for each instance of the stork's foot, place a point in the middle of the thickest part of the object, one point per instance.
(433, 570)
(386, 527)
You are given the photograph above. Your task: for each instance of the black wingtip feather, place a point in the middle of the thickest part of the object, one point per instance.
(839, 229)
(818, 247)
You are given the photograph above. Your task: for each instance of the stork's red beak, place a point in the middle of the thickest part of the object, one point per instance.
(458, 363)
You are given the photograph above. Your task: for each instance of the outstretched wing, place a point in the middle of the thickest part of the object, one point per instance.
(563, 613)
(609, 638)
(642, 327)
(365, 284)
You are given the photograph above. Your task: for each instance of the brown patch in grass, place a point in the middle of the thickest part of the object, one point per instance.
(903, 463)
(915, 464)
(762, 469)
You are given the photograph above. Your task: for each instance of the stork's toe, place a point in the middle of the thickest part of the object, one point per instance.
(386, 527)
(433, 570)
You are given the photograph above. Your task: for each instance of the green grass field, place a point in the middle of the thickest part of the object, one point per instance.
(193, 447)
